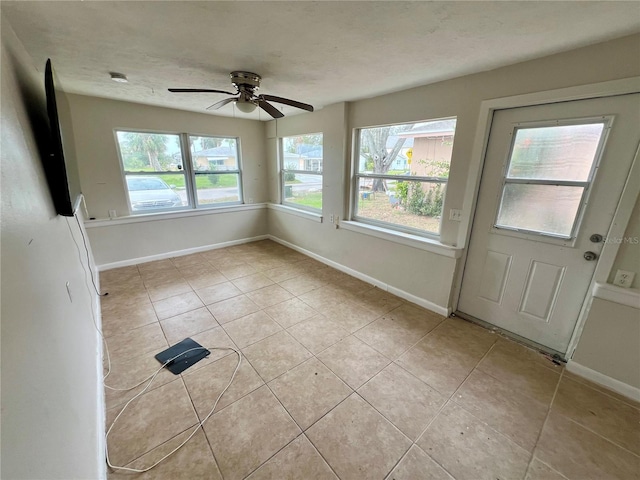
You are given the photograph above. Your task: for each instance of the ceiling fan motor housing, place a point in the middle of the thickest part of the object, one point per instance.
(246, 81)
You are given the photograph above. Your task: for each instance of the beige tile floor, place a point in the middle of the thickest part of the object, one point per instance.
(340, 380)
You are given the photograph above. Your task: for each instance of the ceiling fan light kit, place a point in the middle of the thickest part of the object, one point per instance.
(245, 97)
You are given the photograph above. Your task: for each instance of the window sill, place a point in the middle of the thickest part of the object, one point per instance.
(402, 238)
(154, 217)
(316, 217)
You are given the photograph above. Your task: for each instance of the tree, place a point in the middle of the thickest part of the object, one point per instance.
(374, 150)
(151, 144)
(293, 142)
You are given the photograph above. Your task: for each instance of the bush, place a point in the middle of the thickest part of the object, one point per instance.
(290, 176)
(418, 202)
(213, 179)
(402, 190)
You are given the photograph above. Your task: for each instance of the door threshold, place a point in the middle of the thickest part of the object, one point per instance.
(556, 355)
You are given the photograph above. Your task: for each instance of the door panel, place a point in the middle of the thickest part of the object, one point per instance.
(541, 290)
(552, 177)
(494, 276)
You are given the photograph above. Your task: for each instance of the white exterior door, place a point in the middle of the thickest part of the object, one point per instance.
(552, 178)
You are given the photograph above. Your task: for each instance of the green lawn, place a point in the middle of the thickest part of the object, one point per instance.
(202, 181)
(313, 200)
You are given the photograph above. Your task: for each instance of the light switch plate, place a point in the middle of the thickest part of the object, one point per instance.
(455, 215)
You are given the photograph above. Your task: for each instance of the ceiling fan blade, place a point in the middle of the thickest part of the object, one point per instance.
(286, 101)
(221, 103)
(270, 109)
(197, 90)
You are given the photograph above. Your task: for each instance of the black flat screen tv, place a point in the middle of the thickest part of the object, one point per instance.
(61, 167)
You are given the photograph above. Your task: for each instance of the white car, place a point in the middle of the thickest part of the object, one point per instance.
(147, 193)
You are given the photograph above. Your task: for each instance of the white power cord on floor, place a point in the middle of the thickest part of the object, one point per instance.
(151, 378)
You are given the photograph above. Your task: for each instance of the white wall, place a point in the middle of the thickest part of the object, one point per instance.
(52, 406)
(95, 120)
(628, 257)
(426, 274)
(116, 244)
(610, 342)
(396, 265)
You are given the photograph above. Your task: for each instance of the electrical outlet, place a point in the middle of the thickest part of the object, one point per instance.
(113, 214)
(331, 218)
(624, 279)
(455, 215)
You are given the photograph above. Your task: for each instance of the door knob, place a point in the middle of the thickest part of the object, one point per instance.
(590, 256)
(596, 238)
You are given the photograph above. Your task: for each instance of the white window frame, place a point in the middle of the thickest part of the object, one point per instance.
(187, 171)
(357, 175)
(195, 173)
(284, 171)
(606, 122)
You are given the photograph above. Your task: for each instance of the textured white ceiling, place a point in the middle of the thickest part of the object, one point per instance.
(314, 52)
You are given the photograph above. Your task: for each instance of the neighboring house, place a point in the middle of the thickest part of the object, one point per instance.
(432, 148)
(306, 157)
(217, 158)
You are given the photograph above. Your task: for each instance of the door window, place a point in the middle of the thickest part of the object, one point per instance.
(547, 177)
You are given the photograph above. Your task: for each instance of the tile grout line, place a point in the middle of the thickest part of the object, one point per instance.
(201, 427)
(412, 442)
(302, 430)
(600, 435)
(446, 402)
(193, 405)
(320, 454)
(157, 446)
(544, 424)
(592, 385)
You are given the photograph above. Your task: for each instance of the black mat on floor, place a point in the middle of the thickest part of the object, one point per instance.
(184, 361)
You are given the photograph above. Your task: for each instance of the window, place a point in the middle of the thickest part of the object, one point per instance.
(401, 174)
(548, 174)
(301, 168)
(161, 176)
(216, 169)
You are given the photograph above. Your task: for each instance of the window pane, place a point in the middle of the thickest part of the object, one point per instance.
(422, 149)
(156, 192)
(213, 154)
(415, 205)
(303, 152)
(540, 208)
(150, 152)
(217, 188)
(303, 189)
(555, 153)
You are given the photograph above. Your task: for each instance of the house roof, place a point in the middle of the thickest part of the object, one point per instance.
(305, 151)
(223, 151)
(431, 129)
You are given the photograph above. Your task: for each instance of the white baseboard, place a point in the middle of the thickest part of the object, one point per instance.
(622, 388)
(178, 253)
(366, 278)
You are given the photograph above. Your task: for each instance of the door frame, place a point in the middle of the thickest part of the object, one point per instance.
(622, 215)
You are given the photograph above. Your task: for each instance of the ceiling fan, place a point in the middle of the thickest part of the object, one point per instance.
(245, 97)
